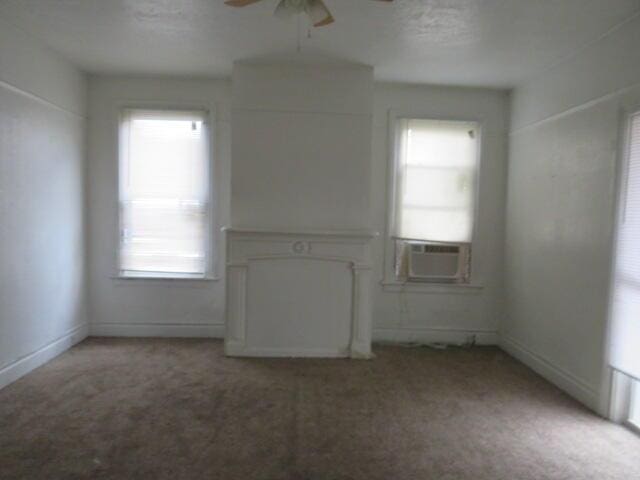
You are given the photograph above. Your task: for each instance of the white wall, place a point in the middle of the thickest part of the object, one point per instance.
(301, 146)
(449, 313)
(563, 148)
(42, 108)
(150, 307)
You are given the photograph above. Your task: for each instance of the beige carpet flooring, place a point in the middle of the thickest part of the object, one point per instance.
(178, 409)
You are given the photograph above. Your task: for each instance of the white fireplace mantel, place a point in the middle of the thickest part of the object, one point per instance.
(298, 293)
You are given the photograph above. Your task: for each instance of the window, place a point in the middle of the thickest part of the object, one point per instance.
(624, 320)
(164, 193)
(435, 190)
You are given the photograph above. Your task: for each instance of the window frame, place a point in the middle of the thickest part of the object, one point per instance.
(623, 391)
(212, 239)
(390, 281)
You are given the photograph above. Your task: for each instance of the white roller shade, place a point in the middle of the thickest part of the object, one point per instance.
(436, 171)
(625, 326)
(164, 189)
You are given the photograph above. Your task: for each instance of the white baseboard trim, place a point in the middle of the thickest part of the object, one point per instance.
(33, 360)
(157, 330)
(566, 381)
(434, 335)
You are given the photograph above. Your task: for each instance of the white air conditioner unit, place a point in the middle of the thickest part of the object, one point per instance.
(429, 262)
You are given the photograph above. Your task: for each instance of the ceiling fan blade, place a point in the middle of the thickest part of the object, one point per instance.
(319, 13)
(240, 3)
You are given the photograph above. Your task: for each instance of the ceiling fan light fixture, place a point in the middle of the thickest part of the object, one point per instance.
(317, 11)
(296, 6)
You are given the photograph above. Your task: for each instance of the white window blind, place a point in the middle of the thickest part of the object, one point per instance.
(436, 173)
(164, 192)
(625, 321)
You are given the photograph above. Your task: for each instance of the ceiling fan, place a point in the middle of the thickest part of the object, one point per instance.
(317, 11)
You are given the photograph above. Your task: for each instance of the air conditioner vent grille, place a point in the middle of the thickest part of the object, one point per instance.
(441, 249)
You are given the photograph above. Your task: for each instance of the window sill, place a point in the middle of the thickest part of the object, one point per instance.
(148, 277)
(432, 288)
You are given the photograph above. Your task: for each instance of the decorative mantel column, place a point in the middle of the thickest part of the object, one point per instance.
(298, 294)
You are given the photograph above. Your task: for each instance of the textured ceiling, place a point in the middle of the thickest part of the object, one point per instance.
(493, 43)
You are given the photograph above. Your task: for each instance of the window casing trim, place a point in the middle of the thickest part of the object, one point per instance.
(390, 282)
(213, 238)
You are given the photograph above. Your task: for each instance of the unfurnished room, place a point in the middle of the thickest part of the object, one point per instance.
(320, 239)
